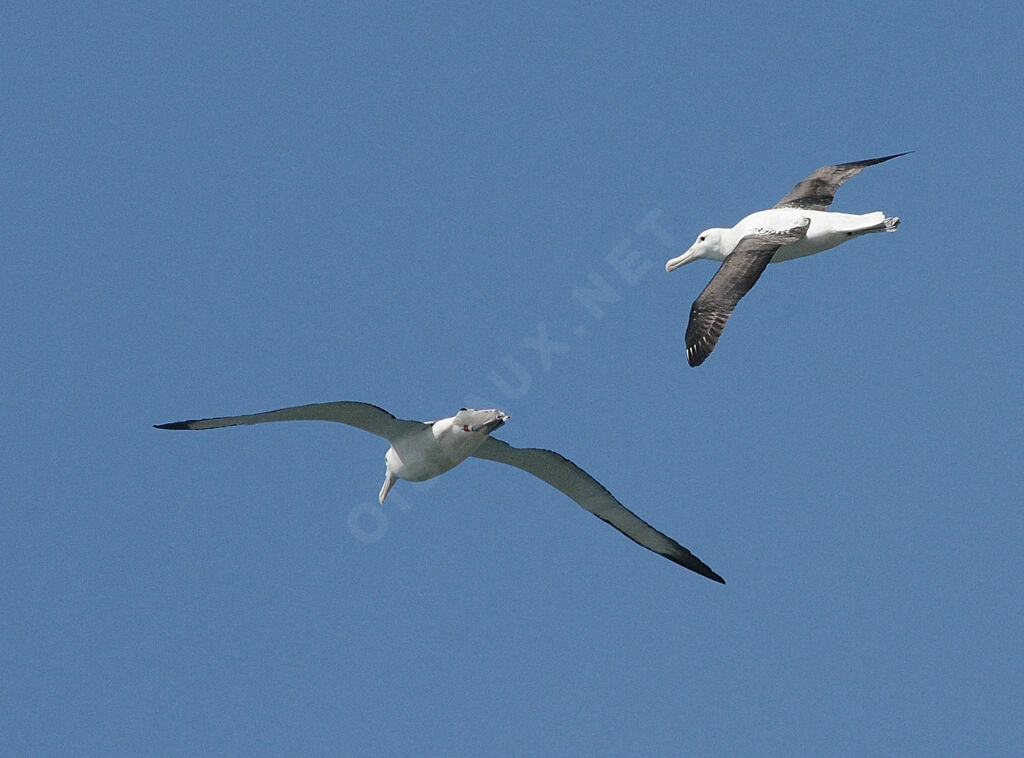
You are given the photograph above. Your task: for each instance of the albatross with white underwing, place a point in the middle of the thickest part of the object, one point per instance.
(800, 224)
(422, 450)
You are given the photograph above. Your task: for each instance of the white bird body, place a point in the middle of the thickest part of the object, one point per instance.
(419, 454)
(439, 446)
(827, 229)
(422, 450)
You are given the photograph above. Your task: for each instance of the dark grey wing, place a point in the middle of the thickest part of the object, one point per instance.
(737, 274)
(360, 415)
(566, 476)
(815, 193)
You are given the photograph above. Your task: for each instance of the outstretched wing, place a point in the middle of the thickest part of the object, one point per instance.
(737, 274)
(564, 475)
(360, 415)
(815, 193)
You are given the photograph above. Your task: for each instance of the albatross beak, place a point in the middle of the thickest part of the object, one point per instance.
(491, 425)
(682, 260)
(497, 423)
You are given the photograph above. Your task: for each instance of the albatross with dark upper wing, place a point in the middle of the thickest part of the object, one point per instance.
(422, 450)
(800, 224)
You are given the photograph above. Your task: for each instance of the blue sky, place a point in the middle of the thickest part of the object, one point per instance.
(219, 208)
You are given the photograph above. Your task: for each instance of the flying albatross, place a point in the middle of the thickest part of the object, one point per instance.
(800, 224)
(422, 450)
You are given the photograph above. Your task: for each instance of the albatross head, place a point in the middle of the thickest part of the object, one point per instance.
(470, 420)
(708, 245)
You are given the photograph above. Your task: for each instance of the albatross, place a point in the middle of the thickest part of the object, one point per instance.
(421, 450)
(798, 225)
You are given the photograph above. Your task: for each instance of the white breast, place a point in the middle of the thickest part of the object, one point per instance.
(432, 450)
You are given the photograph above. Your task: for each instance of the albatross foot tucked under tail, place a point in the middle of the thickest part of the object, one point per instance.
(885, 225)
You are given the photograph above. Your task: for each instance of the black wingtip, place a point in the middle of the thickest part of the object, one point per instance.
(704, 570)
(700, 351)
(174, 425)
(869, 162)
(688, 560)
(884, 158)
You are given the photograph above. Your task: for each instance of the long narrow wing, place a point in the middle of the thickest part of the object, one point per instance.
(737, 274)
(815, 193)
(360, 415)
(564, 475)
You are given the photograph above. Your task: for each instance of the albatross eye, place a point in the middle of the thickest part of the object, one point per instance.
(701, 238)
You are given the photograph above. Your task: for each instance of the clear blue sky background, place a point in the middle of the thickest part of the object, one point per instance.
(215, 208)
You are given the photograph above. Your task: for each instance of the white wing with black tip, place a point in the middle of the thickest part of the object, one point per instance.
(737, 274)
(363, 416)
(566, 476)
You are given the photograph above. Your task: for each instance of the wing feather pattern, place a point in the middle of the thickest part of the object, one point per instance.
(737, 274)
(815, 193)
(363, 416)
(566, 476)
